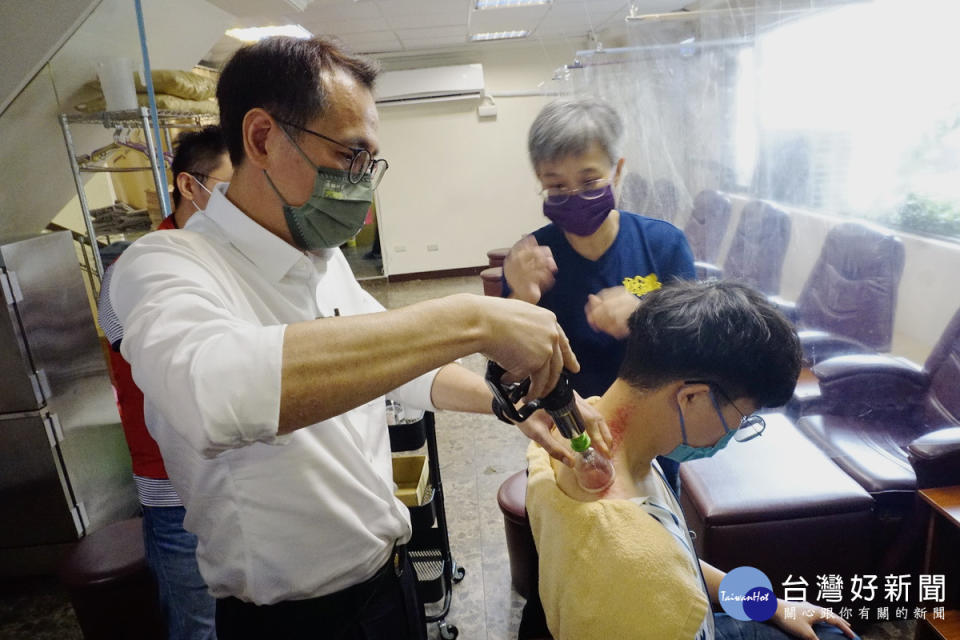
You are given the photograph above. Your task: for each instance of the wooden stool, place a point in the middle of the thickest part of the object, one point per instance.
(112, 590)
(524, 561)
(496, 256)
(492, 283)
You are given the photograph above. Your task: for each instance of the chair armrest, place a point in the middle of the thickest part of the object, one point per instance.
(822, 345)
(936, 458)
(786, 307)
(706, 271)
(858, 384)
(872, 364)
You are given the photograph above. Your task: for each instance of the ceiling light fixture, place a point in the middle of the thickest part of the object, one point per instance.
(499, 35)
(255, 34)
(503, 4)
(299, 5)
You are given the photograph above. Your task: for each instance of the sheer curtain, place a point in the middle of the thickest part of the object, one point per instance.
(846, 107)
(828, 112)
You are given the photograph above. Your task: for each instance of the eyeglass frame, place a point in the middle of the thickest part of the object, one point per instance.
(567, 193)
(747, 420)
(203, 177)
(356, 151)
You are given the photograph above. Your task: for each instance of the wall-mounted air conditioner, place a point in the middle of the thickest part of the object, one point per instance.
(434, 84)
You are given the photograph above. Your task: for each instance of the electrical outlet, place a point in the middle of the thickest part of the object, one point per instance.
(399, 248)
(433, 247)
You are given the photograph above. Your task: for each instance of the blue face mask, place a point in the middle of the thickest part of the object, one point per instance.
(684, 451)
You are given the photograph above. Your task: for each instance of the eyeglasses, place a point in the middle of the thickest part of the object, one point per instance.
(588, 191)
(362, 165)
(203, 177)
(750, 426)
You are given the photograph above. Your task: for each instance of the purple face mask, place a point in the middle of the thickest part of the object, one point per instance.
(581, 217)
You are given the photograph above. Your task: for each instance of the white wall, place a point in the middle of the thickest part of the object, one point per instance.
(31, 32)
(460, 182)
(928, 295)
(34, 168)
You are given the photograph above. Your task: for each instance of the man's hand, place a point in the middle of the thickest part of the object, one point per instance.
(610, 309)
(801, 625)
(538, 428)
(600, 437)
(526, 341)
(529, 269)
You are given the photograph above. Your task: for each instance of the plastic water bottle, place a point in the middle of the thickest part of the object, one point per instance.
(395, 414)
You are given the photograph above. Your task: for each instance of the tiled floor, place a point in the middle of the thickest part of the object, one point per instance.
(476, 453)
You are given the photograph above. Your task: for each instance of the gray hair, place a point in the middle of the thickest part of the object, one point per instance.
(570, 125)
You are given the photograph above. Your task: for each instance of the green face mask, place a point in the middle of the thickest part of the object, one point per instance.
(333, 213)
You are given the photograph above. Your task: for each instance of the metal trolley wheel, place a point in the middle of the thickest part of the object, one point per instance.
(458, 572)
(448, 631)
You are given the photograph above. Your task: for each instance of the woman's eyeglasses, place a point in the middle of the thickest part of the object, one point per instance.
(588, 191)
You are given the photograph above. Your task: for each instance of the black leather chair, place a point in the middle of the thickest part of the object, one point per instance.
(758, 249)
(707, 224)
(848, 301)
(891, 426)
(779, 504)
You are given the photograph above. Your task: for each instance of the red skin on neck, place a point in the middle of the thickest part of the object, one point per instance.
(618, 423)
(618, 426)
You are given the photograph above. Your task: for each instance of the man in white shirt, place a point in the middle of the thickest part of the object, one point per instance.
(264, 364)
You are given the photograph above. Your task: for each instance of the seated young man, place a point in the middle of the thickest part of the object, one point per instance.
(701, 358)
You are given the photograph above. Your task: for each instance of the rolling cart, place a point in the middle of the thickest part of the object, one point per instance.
(429, 547)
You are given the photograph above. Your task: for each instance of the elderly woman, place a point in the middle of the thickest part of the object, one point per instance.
(592, 262)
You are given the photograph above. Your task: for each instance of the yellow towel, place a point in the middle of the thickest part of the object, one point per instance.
(607, 569)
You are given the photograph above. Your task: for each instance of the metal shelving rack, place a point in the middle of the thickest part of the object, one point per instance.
(429, 547)
(132, 119)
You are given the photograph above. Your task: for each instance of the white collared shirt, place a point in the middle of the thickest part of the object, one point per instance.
(204, 311)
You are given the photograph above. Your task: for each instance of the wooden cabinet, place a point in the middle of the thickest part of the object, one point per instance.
(943, 557)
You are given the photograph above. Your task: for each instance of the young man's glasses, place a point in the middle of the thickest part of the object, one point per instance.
(750, 426)
(587, 191)
(363, 165)
(203, 177)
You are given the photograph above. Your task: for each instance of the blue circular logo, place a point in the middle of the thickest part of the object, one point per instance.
(747, 594)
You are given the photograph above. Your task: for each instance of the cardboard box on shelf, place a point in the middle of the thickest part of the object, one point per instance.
(410, 473)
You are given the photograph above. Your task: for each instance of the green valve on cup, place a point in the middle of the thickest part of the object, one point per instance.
(580, 443)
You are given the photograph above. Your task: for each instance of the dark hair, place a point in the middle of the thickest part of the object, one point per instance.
(722, 332)
(197, 153)
(285, 76)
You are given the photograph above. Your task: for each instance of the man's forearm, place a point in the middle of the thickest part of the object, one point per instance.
(458, 389)
(332, 365)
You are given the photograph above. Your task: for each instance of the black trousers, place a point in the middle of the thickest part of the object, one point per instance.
(385, 607)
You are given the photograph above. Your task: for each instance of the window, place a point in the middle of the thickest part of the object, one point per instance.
(856, 111)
